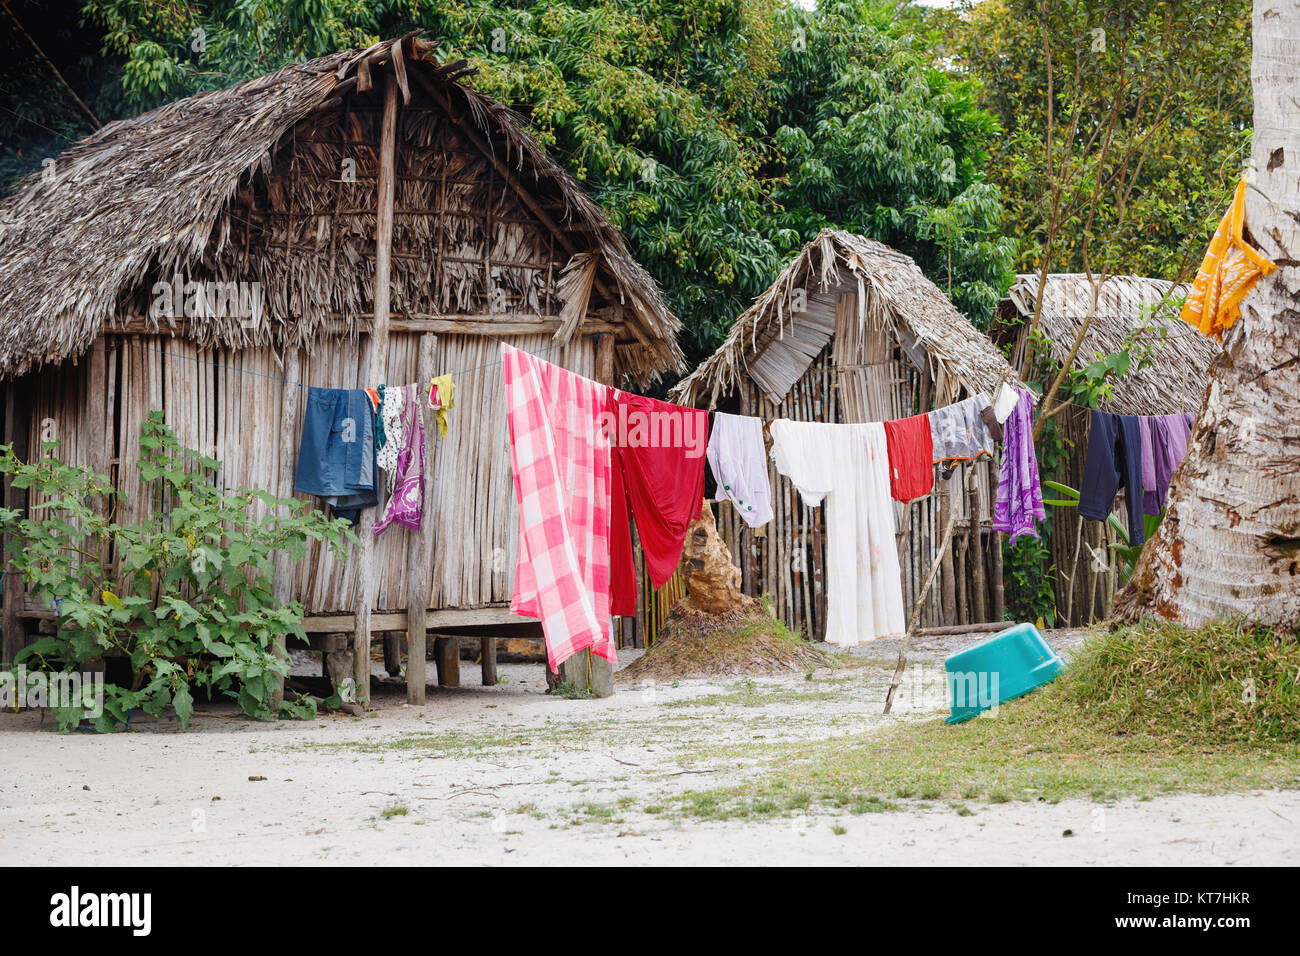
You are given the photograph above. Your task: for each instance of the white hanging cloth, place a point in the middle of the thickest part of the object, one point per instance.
(848, 465)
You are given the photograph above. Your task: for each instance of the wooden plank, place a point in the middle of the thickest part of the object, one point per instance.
(434, 619)
(421, 542)
(367, 581)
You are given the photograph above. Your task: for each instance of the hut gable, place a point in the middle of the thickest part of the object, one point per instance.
(1173, 383)
(776, 340)
(273, 181)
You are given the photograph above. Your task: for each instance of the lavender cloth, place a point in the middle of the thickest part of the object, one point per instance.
(1150, 500)
(406, 506)
(1169, 434)
(738, 460)
(1020, 496)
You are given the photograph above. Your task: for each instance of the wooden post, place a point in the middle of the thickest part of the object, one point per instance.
(367, 584)
(420, 587)
(944, 550)
(393, 653)
(286, 569)
(978, 604)
(446, 653)
(18, 422)
(947, 514)
(488, 652)
(997, 586)
(599, 670)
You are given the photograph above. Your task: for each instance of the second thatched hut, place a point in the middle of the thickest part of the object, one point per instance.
(853, 331)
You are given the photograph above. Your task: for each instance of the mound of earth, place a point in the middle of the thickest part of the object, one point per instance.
(716, 629)
(742, 641)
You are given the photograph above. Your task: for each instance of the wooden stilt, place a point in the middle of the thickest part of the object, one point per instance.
(446, 653)
(488, 653)
(367, 578)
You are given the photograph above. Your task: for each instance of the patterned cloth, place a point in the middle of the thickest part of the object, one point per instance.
(1020, 496)
(1227, 274)
(561, 458)
(406, 506)
(958, 432)
(392, 437)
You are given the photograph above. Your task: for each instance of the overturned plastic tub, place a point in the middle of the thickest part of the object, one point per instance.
(1008, 665)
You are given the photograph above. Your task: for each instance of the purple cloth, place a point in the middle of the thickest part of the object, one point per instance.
(1169, 434)
(1150, 500)
(406, 506)
(1020, 496)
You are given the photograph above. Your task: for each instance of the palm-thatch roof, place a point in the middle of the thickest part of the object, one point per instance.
(892, 293)
(1141, 311)
(189, 186)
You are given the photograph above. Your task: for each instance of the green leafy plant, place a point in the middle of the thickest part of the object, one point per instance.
(184, 594)
(1027, 579)
(1127, 552)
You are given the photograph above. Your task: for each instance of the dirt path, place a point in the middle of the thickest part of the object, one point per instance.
(506, 775)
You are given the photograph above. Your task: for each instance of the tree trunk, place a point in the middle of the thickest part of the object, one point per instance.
(1230, 540)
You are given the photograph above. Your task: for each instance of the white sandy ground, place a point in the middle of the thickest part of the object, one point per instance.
(507, 775)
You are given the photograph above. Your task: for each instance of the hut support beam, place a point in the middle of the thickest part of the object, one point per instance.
(585, 670)
(367, 582)
(17, 431)
(282, 577)
(421, 544)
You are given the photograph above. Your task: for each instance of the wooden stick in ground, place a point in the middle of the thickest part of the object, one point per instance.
(367, 581)
(420, 543)
(921, 598)
(286, 569)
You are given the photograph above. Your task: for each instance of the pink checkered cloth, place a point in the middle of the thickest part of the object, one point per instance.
(561, 460)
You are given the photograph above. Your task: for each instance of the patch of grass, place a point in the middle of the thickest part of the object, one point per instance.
(1142, 712)
(394, 810)
(747, 693)
(571, 691)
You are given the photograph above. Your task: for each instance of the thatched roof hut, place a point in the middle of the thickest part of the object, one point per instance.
(773, 342)
(1129, 312)
(1129, 309)
(252, 183)
(361, 218)
(853, 331)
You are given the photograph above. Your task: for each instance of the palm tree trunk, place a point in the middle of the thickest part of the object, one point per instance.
(1230, 541)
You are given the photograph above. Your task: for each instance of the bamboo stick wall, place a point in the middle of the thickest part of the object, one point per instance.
(226, 404)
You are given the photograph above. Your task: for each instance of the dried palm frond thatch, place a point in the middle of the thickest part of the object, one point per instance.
(892, 293)
(244, 185)
(1132, 310)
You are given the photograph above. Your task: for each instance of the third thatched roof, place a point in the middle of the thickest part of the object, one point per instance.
(1135, 309)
